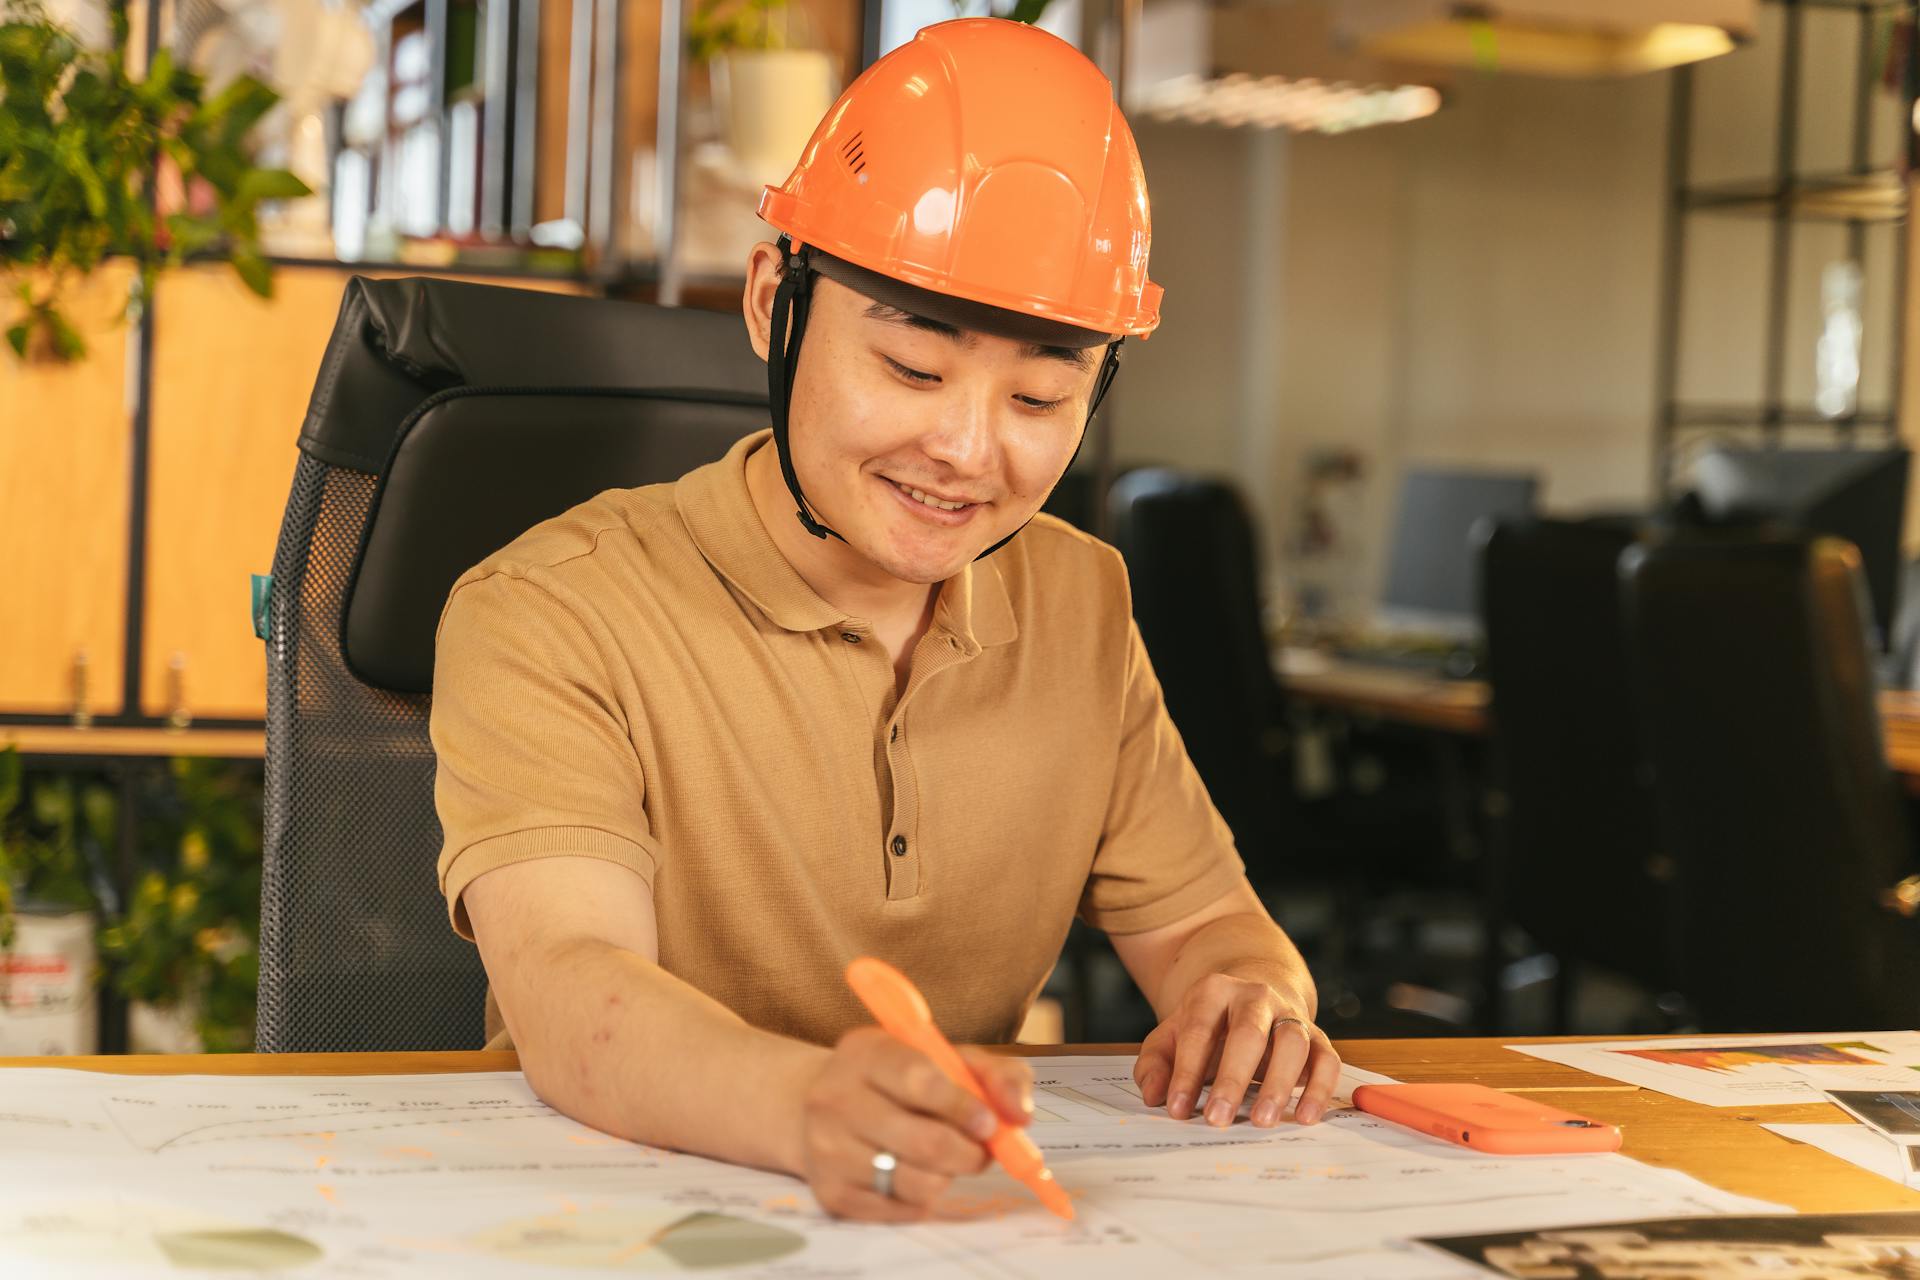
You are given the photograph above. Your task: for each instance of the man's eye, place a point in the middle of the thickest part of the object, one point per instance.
(912, 375)
(1042, 406)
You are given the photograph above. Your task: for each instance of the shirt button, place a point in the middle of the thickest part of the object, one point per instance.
(899, 846)
(851, 637)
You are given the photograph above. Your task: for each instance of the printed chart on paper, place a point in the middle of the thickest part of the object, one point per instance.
(1749, 1071)
(385, 1177)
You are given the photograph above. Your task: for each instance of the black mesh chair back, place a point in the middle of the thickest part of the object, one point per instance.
(1189, 546)
(1774, 792)
(1580, 866)
(447, 419)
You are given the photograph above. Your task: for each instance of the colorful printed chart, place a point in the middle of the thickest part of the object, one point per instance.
(1746, 1071)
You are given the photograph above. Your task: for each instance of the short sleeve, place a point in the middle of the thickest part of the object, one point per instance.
(1164, 852)
(535, 756)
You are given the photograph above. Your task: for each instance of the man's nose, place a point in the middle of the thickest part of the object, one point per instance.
(965, 438)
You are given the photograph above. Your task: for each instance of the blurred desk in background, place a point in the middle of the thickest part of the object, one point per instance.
(1464, 707)
(1379, 692)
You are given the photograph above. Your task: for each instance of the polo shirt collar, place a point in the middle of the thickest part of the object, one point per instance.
(974, 606)
(725, 525)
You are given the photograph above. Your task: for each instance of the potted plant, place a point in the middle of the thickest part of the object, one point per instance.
(186, 951)
(47, 909)
(95, 162)
(768, 92)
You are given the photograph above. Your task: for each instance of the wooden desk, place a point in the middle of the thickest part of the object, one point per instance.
(1464, 707)
(1720, 1145)
(1385, 693)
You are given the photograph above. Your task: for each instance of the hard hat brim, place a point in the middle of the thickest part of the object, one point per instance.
(961, 313)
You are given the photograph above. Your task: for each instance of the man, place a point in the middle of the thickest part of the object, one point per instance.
(701, 744)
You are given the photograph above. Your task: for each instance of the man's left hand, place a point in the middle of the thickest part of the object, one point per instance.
(1230, 1031)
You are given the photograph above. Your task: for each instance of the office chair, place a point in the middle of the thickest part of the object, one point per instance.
(1074, 498)
(1189, 546)
(1773, 789)
(1577, 859)
(447, 419)
(1191, 558)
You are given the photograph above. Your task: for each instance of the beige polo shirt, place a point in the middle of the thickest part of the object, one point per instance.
(647, 680)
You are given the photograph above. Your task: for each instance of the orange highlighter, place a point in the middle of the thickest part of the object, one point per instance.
(897, 1005)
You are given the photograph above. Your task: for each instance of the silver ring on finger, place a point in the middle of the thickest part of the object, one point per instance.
(1298, 1022)
(883, 1166)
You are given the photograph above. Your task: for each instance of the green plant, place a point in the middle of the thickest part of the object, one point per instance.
(1027, 11)
(715, 26)
(190, 933)
(82, 148)
(45, 824)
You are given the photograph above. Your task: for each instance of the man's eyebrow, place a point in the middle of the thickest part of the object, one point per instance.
(1075, 356)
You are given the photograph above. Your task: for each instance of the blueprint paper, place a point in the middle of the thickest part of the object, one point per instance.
(385, 1177)
(1749, 1071)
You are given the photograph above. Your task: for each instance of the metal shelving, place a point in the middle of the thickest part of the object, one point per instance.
(1862, 195)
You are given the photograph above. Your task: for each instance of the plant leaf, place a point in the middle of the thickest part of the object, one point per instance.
(191, 234)
(253, 269)
(67, 342)
(270, 184)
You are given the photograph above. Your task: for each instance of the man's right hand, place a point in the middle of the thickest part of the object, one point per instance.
(876, 1094)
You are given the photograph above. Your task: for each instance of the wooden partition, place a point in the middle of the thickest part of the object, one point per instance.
(231, 377)
(65, 437)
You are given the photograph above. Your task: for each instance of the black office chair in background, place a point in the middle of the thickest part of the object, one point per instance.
(1189, 546)
(1775, 798)
(447, 419)
(1192, 560)
(1577, 861)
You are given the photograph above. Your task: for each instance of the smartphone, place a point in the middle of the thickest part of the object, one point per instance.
(1486, 1119)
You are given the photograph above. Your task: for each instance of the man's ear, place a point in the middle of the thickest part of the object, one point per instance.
(756, 301)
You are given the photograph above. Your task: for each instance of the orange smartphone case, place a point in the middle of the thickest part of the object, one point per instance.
(1485, 1119)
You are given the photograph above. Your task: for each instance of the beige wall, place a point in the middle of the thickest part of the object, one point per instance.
(1479, 288)
(1198, 391)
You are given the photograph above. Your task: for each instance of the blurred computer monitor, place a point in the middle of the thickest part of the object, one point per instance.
(1856, 494)
(1431, 566)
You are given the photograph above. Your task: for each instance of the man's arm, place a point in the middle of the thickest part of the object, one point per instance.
(1227, 980)
(608, 1037)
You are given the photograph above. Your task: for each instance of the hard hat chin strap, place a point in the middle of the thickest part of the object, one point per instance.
(793, 297)
(790, 302)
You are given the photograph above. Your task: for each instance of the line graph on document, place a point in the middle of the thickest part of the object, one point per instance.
(213, 1123)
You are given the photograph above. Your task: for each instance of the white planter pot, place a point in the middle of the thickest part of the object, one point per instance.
(164, 1028)
(46, 984)
(770, 101)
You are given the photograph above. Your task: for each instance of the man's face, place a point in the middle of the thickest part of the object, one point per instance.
(885, 403)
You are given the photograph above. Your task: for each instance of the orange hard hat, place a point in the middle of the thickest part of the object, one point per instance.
(987, 160)
(980, 175)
